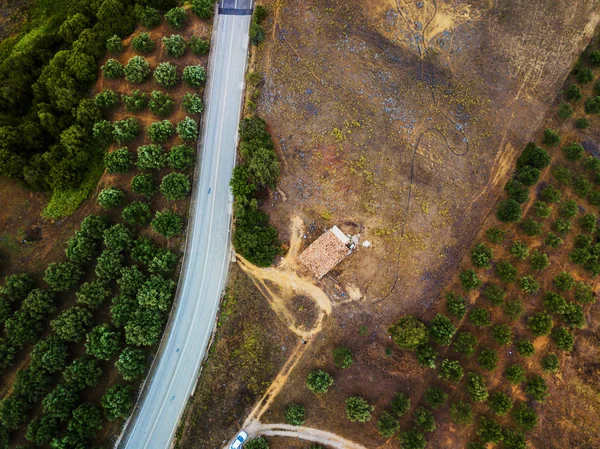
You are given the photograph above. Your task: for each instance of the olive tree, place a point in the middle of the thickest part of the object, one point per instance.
(72, 324)
(132, 363)
(143, 185)
(137, 70)
(118, 161)
(175, 186)
(150, 157)
(111, 197)
(187, 129)
(167, 223)
(358, 409)
(194, 75)
(174, 45)
(166, 75)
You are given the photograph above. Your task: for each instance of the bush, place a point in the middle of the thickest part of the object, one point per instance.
(84, 372)
(481, 255)
(150, 157)
(426, 355)
(537, 388)
(517, 191)
(319, 381)
(358, 409)
(495, 235)
(461, 413)
(539, 261)
(194, 75)
(480, 317)
(132, 363)
(435, 397)
(564, 281)
(525, 417)
(137, 70)
(540, 324)
(136, 102)
(114, 44)
(387, 425)
(143, 43)
(192, 103)
(174, 45)
(161, 104)
(568, 209)
(563, 339)
(506, 272)
(500, 403)
(550, 363)
(117, 402)
(525, 348)
(62, 276)
(469, 279)
(181, 157)
(564, 111)
(126, 130)
(294, 414)
(257, 33)
(400, 405)
(425, 419)
(137, 213)
(175, 186)
(509, 211)
(107, 99)
(553, 241)
(72, 324)
(515, 374)
(456, 305)
(203, 8)
(488, 359)
(465, 343)
(160, 132)
(533, 156)
(113, 69)
(551, 138)
(166, 75)
(199, 46)
(592, 105)
(527, 175)
(168, 224)
(342, 357)
(80, 248)
(408, 332)
(109, 265)
(412, 439)
(502, 334)
(531, 227)
(584, 75)
(561, 226)
(573, 93)
(177, 17)
(102, 132)
(93, 294)
(49, 355)
(562, 174)
(102, 342)
(555, 303)
(528, 284)
(187, 129)
(573, 152)
(550, 194)
(451, 370)
(582, 123)
(519, 250)
(584, 293)
(260, 442)
(476, 387)
(144, 327)
(111, 197)
(118, 161)
(147, 16)
(588, 223)
(489, 430)
(442, 330)
(542, 209)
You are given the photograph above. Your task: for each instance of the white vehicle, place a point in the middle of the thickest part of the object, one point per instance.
(239, 440)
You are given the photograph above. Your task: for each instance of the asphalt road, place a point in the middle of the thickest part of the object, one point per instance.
(174, 373)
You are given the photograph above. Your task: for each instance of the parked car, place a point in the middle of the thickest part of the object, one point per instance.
(239, 440)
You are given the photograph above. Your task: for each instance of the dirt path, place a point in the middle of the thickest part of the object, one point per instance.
(305, 433)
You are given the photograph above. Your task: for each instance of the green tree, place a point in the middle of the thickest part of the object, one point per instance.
(435, 397)
(175, 186)
(481, 255)
(465, 343)
(584, 75)
(412, 439)
(160, 132)
(500, 403)
(555, 303)
(204, 9)
(192, 103)
(150, 157)
(502, 334)
(408, 332)
(528, 284)
(564, 281)
(582, 123)
(542, 209)
(561, 226)
(584, 293)
(60, 402)
(144, 185)
(93, 294)
(451, 370)
(573, 93)
(342, 357)
(553, 240)
(113, 69)
(525, 417)
(176, 17)
(425, 419)
(13, 411)
(536, 388)
(86, 421)
(114, 44)
(117, 401)
(102, 342)
(161, 104)
(573, 152)
(476, 387)
(187, 129)
(137, 213)
(388, 425)
(62, 276)
(480, 317)
(136, 101)
(181, 157)
(519, 250)
(516, 191)
(531, 227)
(489, 430)
(295, 414)
(137, 70)
(72, 324)
(118, 161)
(109, 265)
(524, 347)
(564, 111)
(118, 238)
(41, 430)
(166, 75)
(167, 223)
(551, 138)
(456, 305)
(442, 330)
(539, 261)
(174, 45)
(107, 99)
(194, 75)
(358, 409)
(318, 381)
(494, 294)
(111, 197)
(144, 327)
(123, 309)
(563, 339)
(93, 226)
(550, 363)
(71, 28)
(461, 413)
(400, 404)
(156, 293)
(515, 374)
(426, 355)
(143, 43)
(488, 359)
(259, 442)
(17, 287)
(126, 130)
(495, 235)
(147, 16)
(199, 46)
(506, 272)
(540, 324)
(49, 354)
(469, 279)
(509, 211)
(80, 248)
(131, 280)
(132, 363)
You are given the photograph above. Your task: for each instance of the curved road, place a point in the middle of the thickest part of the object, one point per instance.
(174, 373)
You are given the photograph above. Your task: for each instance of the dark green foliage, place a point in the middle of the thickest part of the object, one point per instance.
(435, 397)
(318, 381)
(118, 161)
(528, 284)
(358, 409)
(592, 105)
(509, 211)
(167, 223)
(550, 363)
(425, 419)
(456, 305)
(412, 439)
(111, 197)
(192, 103)
(540, 324)
(584, 75)
(123, 309)
(132, 278)
(174, 45)
(114, 44)
(107, 99)
(117, 401)
(86, 421)
(495, 235)
(118, 238)
(199, 46)
(461, 413)
(525, 417)
(109, 265)
(426, 355)
(32, 384)
(536, 388)
(476, 387)
(147, 16)
(568, 209)
(539, 261)
(563, 338)
(150, 157)
(342, 357)
(203, 9)
(136, 101)
(161, 104)
(163, 262)
(181, 157)
(143, 43)
(143, 250)
(502, 334)
(451, 370)
(49, 354)
(480, 317)
(13, 411)
(62, 276)
(166, 75)
(137, 70)
(194, 75)
(500, 403)
(534, 156)
(581, 186)
(588, 223)
(517, 191)
(175, 186)
(144, 327)
(41, 430)
(102, 131)
(562, 174)
(60, 402)
(187, 129)
(387, 425)
(400, 405)
(555, 303)
(93, 294)
(144, 185)
(553, 241)
(551, 138)
(102, 342)
(177, 17)
(573, 93)
(72, 324)
(515, 374)
(126, 130)
(582, 123)
(156, 293)
(442, 330)
(17, 287)
(524, 347)
(564, 111)
(257, 33)
(132, 363)
(259, 442)
(584, 293)
(160, 132)
(561, 226)
(80, 248)
(550, 194)
(506, 272)
(408, 332)
(295, 414)
(527, 175)
(113, 69)
(513, 439)
(573, 152)
(137, 213)
(469, 279)
(489, 430)
(84, 372)
(465, 343)
(531, 227)
(481, 255)
(488, 359)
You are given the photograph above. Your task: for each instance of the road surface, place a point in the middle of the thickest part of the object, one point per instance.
(172, 378)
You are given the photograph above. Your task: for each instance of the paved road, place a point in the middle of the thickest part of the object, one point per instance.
(184, 345)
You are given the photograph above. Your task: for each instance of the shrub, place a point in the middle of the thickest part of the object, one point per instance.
(102, 132)
(476, 387)
(49, 355)
(592, 105)
(442, 330)
(174, 45)
(387, 425)
(93, 226)
(137, 70)
(456, 305)
(199, 46)
(400, 405)
(102, 342)
(573, 152)
(118, 161)
(131, 363)
(84, 372)
(113, 69)
(481, 255)
(114, 44)
(175, 186)
(426, 355)
(588, 223)
(537, 388)
(408, 332)
(550, 363)
(534, 156)
(461, 413)
(573, 93)
(181, 157)
(259, 442)
(192, 103)
(257, 33)
(555, 303)
(584, 293)
(495, 235)
(72, 324)
(561, 226)
(489, 430)
(528, 284)
(553, 241)
(147, 16)
(562, 174)
(203, 8)
(62, 276)
(527, 175)
(519, 250)
(451, 370)
(502, 334)
(143, 185)
(126, 130)
(177, 17)
(465, 343)
(531, 227)
(506, 272)
(540, 324)
(143, 43)
(107, 99)
(342, 357)
(509, 211)
(109, 265)
(152, 157)
(161, 104)
(551, 138)
(160, 132)
(358, 409)
(425, 419)
(194, 75)
(564, 111)
(80, 248)
(137, 213)
(563, 339)
(517, 191)
(93, 294)
(568, 209)
(539, 261)
(542, 209)
(435, 397)
(582, 123)
(525, 416)
(111, 197)
(166, 75)
(524, 347)
(550, 194)
(136, 101)
(500, 403)
(412, 439)
(515, 374)
(584, 75)
(187, 129)
(469, 279)
(294, 414)
(168, 224)
(488, 359)
(117, 402)
(480, 317)
(318, 381)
